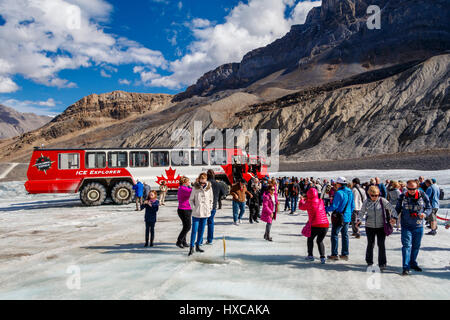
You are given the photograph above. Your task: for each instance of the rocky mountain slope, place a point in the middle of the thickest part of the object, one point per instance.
(335, 43)
(333, 88)
(14, 123)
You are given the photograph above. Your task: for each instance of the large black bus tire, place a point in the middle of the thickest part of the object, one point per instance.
(122, 193)
(93, 194)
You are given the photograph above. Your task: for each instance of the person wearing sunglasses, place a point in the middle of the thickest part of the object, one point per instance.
(376, 211)
(269, 210)
(414, 206)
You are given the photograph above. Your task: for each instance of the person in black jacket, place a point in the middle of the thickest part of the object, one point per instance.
(151, 206)
(254, 204)
(218, 193)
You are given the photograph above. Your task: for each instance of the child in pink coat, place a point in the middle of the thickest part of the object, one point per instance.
(269, 210)
(317, 216)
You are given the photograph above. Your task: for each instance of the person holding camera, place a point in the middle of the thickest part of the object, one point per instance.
(414, 206)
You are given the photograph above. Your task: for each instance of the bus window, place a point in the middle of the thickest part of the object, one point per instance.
(199, 158)
(95, 160)
(138, 159)
(117, 159)
(160, 158)
(179, 158)
(218, 157)
(67, 161)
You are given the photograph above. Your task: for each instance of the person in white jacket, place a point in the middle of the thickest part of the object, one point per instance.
(201, 201)
(359, 195)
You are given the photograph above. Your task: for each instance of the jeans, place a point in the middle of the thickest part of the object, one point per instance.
(411, 239)
(185, 216)
(335, 239)
(320, 233)
(355, 218)
(149, 228)
(381, 237)
(198, 228)
(287, 204)
(211, 226)
(294, 201)
(238, 210)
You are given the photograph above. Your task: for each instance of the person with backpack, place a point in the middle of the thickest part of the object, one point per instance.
(341, 208)
(239, 192)
(359, 196)
(433, 194)
(201, 201)
(253, 204)
(184, 211)
(317, 217)
(381, 187)
(414, 206)
(151, 206)
(293, 195)
(377, 212)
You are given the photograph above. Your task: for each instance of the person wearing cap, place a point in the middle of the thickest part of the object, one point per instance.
(414, 206)
(343, 204)
(433, 193)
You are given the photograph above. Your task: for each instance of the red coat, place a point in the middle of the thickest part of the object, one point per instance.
(316, 209)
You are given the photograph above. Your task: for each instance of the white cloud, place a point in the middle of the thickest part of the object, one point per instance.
(246, 27)
(42, 37)
(124, 82)
(7, 85)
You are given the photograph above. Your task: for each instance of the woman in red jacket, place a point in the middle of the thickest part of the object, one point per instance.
(319, 222)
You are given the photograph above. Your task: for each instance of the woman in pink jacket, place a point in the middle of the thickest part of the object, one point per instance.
(319, 222)
(269, 209)
(184, 210)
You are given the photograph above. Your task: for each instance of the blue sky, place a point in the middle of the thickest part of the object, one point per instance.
(54, 52)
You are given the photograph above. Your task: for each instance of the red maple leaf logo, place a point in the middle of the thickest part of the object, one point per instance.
(171, 180)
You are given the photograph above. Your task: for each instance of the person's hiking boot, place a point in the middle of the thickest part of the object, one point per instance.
(146, 244)
(269, 238)
(309, 258)
(209, 243)
(185, 244)
(432, 233)
(151, 244)
(235, 223)
(322, 260)
(417, 268)
(382, 267)
(198, 249)
(343, 257)
(240, 221)
(333, 258)
(180, 245)
(191, 251)
(405, 272)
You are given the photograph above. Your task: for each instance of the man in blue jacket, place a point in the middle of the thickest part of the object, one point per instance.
(433, 192)
(344, 204)
(139, 194)
(414, 206)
